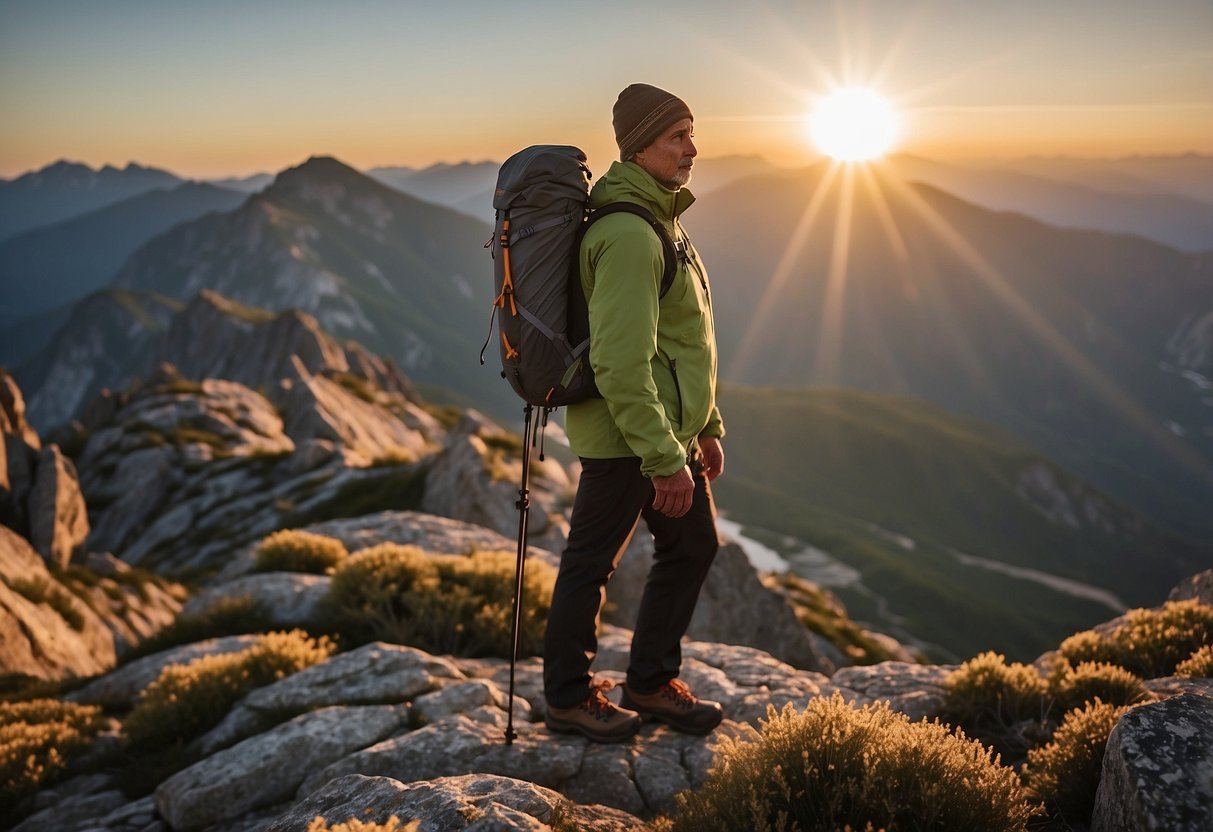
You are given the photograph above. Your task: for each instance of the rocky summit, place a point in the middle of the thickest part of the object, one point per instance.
(134, 577)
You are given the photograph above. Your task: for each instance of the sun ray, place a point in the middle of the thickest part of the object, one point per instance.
(964, 352)
(1105, 388)
(887, 222)
(756, 330)
(829, 342)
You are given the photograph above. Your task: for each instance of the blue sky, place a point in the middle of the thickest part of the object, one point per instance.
(213, 88)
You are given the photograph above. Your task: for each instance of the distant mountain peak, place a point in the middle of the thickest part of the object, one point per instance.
(316, 170)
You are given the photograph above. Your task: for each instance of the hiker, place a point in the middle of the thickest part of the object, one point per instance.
(649, 446)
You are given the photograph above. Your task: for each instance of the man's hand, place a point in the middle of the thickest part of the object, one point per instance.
(674, 493)
(713, 457)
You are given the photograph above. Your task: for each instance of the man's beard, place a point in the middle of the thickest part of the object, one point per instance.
(681, 177)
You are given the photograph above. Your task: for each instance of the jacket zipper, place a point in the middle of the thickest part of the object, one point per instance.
(677, 387)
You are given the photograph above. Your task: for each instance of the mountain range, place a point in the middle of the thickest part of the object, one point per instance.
(66, 189)
(1094, 347)
(56, 265)
(1089, 353)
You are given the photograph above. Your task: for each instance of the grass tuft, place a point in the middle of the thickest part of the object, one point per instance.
(292, 550)
(1150, 643)
(440, 603)
(833, 766)
(38, 740)
(187, 700)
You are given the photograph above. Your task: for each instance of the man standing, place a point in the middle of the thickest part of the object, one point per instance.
(649, 446)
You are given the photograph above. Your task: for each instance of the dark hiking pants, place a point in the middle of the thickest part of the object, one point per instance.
(611, 498)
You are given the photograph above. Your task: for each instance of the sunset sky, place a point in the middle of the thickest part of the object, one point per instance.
(217, 88)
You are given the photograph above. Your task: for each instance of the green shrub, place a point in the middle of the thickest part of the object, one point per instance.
(986, 690)
(1199, 664)
(1072, 687)
(38, 739)
(186, 700)
(1147, 642)
(441, 603)
(392, 824)
(833, 766)
(1064, 773)
(292, 550)
(1003, 705)
(41, 590)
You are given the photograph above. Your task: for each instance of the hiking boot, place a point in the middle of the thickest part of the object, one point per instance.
(675, 705)
(595, 717)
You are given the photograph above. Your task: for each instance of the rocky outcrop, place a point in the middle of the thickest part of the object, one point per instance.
(259, 347)
(450, 804)
(50, 630)
(269, 767)
(40, 494)
(1158, 768)
(107, 334)
(477, 476)
(318, 407)
(180, 473)
(58, 519)
(1199, 586)
(12, 412)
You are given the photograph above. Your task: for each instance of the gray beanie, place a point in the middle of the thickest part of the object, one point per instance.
(641, 113)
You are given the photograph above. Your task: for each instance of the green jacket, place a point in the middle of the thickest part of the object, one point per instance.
(654, 363)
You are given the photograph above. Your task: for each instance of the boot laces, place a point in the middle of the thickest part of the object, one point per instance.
(597, 704)
(679, 692)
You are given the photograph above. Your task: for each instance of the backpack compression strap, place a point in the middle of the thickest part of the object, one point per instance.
(668, 250)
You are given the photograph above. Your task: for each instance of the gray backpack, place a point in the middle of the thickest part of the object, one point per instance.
(542, 208)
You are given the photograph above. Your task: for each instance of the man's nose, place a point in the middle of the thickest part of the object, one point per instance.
(690, 148)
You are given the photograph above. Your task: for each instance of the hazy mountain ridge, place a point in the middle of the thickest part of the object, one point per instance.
(1164, 211)
(60, 263)
(66, 189)
(1057, 335)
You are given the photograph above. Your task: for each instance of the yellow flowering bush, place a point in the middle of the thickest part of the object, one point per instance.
(38, 739)
(1065, 772)
(1150, 643)
(292, 550)
(441, 603)
(188, 699)
(392, 824)
(834, 766)
(1198, 664)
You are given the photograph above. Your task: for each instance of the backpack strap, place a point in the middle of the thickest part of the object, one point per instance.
(668, 250)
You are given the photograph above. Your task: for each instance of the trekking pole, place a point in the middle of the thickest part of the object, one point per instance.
(523, 505)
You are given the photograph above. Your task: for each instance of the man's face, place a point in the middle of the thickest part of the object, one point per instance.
(668, 159)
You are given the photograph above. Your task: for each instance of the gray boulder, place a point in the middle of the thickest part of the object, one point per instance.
(1198, 586)
(476, 478)
(916, 690)
(269, 767)
(1158, 768)
(58, 519)
(469, 803)
(287, 599)
(373, 674)
(317, 407)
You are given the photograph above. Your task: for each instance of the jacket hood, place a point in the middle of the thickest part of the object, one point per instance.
(628, 182)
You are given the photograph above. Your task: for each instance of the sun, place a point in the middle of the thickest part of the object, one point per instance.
(854, 124)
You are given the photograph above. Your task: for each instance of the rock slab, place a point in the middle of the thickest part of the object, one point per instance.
(1158, 769)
